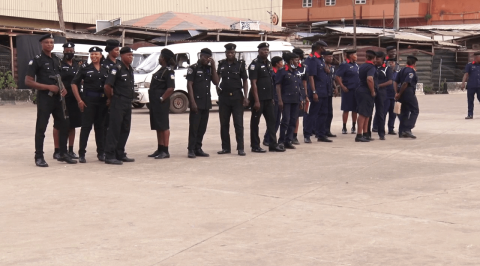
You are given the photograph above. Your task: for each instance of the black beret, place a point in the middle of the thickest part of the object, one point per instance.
(286, 56)
(380, 54)
(262, 45)
(371, 52)
(476, 53)
(167, 53)
(111, 44)
(389, 48)
(95, 49)
(275, 60)
(293, 55)
(412, 57)
(126, 50)
(68, 45)
(328, 53)
(392, 59)
(230, 46)
(46, 36)
(321, 43)
(350, 51)
(298, 51)
(206, 51)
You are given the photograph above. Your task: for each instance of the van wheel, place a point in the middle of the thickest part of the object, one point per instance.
(178, 103)
(138, 105)
(148, 106)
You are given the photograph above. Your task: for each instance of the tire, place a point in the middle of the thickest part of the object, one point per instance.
(138, 105)
(178, 103)
(148, 106)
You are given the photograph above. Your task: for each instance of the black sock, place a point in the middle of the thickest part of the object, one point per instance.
(165, 149)
(57, 150)
(159, 148)
(70, 148)
(365, 134)
(359, 135)
(353, 124)
(345, 126)
(294, 135)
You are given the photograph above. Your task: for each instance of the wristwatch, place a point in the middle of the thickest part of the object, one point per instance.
(161, 99)
(314, 92)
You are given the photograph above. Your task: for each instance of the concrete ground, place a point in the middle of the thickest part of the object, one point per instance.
(393, 202)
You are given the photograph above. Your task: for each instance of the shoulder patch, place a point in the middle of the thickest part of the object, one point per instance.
(84, 65)
(38, 56)
(410, 75)
(189, 71)
(252, 67)
(30, 63)
(119, 67)
(172, 76)
(114, 71)
(169, 68)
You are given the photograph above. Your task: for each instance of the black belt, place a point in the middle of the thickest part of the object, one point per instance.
(224, 93)
(93, 94)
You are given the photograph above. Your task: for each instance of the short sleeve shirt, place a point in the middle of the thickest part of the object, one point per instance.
(316, 69)
(68, 72)
(473, 71)
(262, 71)
(232, 75)
(348, 71)
(121, 80)
(367, 70)
(42, 67)
(290, 83)
(93, 79)
(163, 79)
(202, 78)
(384, 75)
(408, 75)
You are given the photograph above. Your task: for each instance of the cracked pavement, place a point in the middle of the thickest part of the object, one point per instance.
(393, 202)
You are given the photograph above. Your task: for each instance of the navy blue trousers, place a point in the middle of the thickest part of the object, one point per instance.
(289, 122)
(315, 120)
(409, 111)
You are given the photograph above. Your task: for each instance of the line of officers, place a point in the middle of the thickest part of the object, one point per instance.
(282, 90)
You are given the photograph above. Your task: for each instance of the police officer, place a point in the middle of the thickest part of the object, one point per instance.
(42, 67)
(161, 88)
(68, 69)
(472, 74)
(199, 77)
(347, 78)
(332, 91)
(406, 95)
(384, 74)
(302, 72)
(277, 64)
(390, 101)
(113, 50)
(288, 86)
(231, 98)
(365, 95)
(119, 90)
(318, 94)
(92, 103)
(261, 97)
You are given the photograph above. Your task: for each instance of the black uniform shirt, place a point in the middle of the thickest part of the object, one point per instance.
(384, 74)
(93, 79)
(163, 79)
(43, 66)
(68, 72)
(121, 79)
(232, 76)
(262, 72)
(367, 70)
(202, 78)
(290, 83)
(109, 63)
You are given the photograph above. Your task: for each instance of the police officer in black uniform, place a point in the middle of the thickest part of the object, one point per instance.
(332, 91)
(113, 50)
(303, 74)
(92, 102)
(120, 91)
(231, 98)
(161, 88)
(261, 98)
(406, 95)
(199, 77)
(68, 69)
(42, 67)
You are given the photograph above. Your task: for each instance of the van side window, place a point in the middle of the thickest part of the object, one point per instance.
(182, 59)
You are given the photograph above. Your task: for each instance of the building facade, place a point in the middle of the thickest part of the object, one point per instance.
(371, 12)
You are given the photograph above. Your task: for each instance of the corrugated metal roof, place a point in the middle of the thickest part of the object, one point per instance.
(360, 30)
(475, 27)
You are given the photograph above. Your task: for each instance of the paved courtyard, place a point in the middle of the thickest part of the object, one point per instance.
(393, 202)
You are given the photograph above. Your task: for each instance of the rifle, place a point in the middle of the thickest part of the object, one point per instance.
(61, 87)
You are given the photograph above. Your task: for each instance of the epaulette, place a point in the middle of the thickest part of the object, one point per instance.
(84, 65)
(118, 66)
(193, 66)
(38, 56)
(169, 68)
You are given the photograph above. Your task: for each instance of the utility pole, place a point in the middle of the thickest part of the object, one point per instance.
(271, 15)
(354, 26)
(396, 16)
(60, 17)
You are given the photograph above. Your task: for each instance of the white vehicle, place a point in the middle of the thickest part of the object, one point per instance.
(187, 54)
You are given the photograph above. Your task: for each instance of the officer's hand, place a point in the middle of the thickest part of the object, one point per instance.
(315, 97)
(211, 61)
(397, 96)
(307, 100)
(302, 103)
(256, 106)
(280, 106)
(463, 86)
(108, 102)
(373, 93)
(344, 89)
(336, 92)
(53, 88)
(81, 106)
(64, 92)
(245, 102)
(194, 108)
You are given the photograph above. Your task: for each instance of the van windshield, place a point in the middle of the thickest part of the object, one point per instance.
(150, 63)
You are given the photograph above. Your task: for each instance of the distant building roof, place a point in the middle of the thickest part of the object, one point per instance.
(174, 21)
(448, 27)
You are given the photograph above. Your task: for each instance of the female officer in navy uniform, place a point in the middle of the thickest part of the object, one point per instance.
(365, 95)
(162, 86)
(68, 69)
(92, 103)
(347, 78)
(288, 86)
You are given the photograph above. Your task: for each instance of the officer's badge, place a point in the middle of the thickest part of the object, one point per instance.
(30, 63)
(114, 71)
(69, 45)
(189, 71)
(252, 67)
(410, 75)
(172, 76)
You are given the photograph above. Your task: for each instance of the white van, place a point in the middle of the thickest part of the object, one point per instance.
(187, 54)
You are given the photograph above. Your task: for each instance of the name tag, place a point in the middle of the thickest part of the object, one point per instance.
(200, 71)
(90, 71)
(124, 75)
(262, 66)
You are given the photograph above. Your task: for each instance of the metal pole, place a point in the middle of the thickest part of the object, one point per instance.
(166, 38)
(60, 17)
(123, 37)
(383, 22)
(396, 16)
(354, 26)
(13, 60)
(440, 75)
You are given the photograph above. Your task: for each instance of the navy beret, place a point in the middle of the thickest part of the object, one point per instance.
(206, 51)
(371, 52)
(328, 53)
(46, 36)
(263, 45)
(230, 46)
(126, 50)
(95, 49)
(380, 54)
(389, 48)
(350, 51)
(275, 60)
(68, 45)
(322, 43)
(298, 51)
